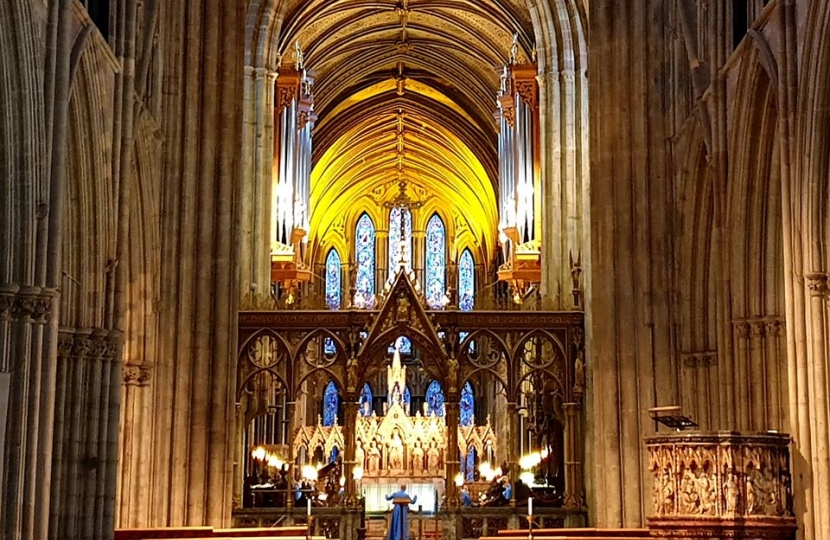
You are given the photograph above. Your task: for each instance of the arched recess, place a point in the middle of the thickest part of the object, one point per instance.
(698, 273)
(755, 230)
(141, 345)
(806, 247)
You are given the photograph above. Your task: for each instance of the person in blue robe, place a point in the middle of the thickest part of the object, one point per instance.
(466, 499)
(399, 525)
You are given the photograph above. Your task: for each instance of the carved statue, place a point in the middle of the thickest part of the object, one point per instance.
(452, 373)
(731, 490)
(351, 373)
(752, 502)
(579, 373)
(403, 308)
(416, 461)
(360, 455)
(298, 56)
(706, 494)
(514, 49)
(433, 458)
(396, 453)
(665, 494)
(373, 460)
(689, 500)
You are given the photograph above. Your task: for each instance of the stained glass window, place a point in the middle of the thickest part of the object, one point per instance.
(470, 471)
(467, 413)
(333, 280)
(331, 402)
(365, 256)
(404, 343)
(436, 241)
(329, 349)
(466, 281)
(435, 399)
(396, 242)
(366, 401)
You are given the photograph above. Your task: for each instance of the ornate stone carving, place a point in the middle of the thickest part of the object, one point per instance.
(31, 302)
(707, 483)
(136, 375)
(817, 283)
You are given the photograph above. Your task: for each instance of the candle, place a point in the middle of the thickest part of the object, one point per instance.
(530, 506)
(308, 506)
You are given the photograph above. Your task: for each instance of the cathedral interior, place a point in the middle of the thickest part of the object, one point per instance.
(559, 264)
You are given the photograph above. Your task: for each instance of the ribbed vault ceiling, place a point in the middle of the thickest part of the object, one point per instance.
(406, 89)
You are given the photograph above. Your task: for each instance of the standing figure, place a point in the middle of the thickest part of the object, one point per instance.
(399, 525)
(417, 458)
(360, 455)
(373, 460)
(433, 458)
(396, 453)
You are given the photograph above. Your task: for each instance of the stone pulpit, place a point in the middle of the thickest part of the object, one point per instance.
(721, 485)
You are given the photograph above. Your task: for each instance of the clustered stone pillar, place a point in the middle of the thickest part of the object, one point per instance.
(629, 341)
(451, 453)
(350, 408)
(574, 471)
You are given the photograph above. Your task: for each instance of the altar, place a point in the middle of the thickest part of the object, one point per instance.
(399, 448)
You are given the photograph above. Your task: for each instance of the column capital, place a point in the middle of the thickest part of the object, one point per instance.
(817, 283)
(34, 303)
(137, 375)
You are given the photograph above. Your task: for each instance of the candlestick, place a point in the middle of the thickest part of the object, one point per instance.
(308, 506)
(530, 506)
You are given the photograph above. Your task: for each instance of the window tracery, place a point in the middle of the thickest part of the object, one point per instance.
(365, 256)
(331, 403)
(436, 248)
(466, 281)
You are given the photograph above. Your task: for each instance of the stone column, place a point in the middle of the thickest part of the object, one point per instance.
(256, 222)
(419, 256)
(629, 334)
(133, 478)
(290, 407)
(349, 426)
(818, 338)
(514, 434)
(451, 453)
(574, 485)
(381, 258)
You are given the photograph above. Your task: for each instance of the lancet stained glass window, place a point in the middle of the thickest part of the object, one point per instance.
(436, 242)
(396, 242)
(470, 469)
(366, 397)
(333, 280)
(365, 256)
(434, 397)
(466, 281)
(467, 413)
(331, 402)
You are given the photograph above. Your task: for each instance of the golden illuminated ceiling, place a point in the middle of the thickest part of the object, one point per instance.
(406, 89)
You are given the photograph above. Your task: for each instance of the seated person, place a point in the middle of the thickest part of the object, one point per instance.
(466, 500)
(508, 490)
